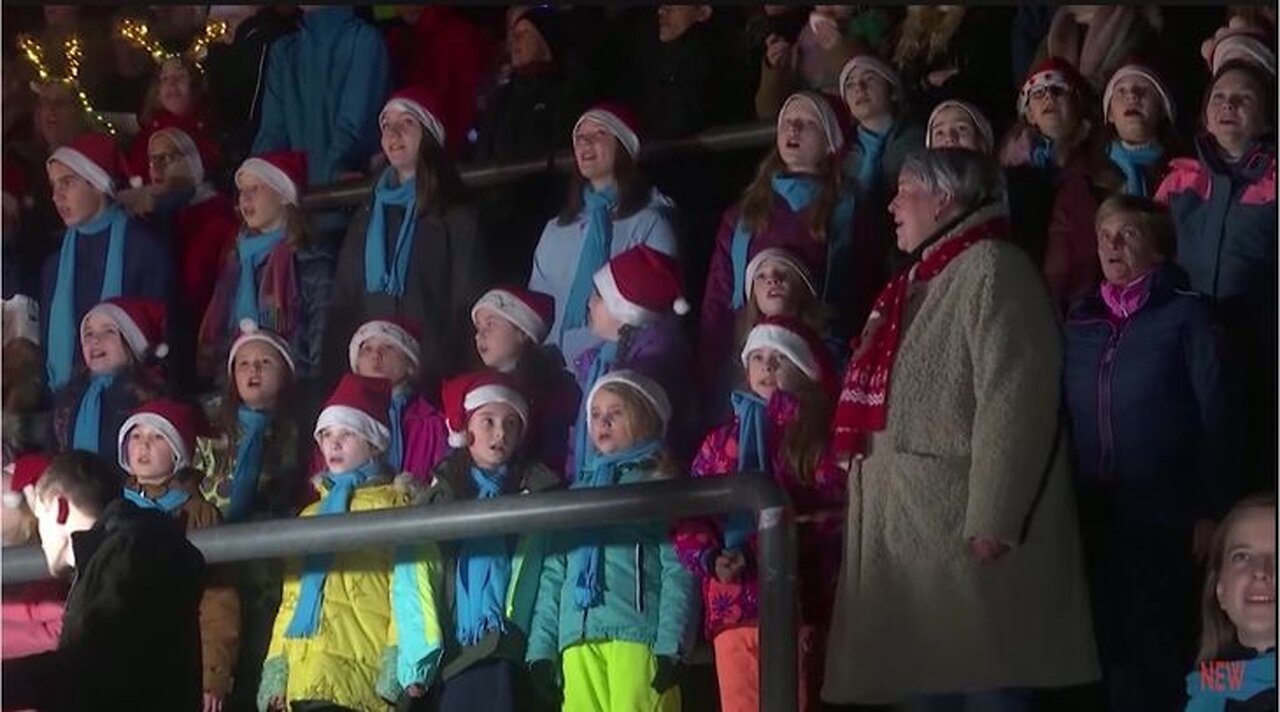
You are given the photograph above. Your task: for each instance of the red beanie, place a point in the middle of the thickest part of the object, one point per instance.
(359, 404)
(95, 158)
(27, 471)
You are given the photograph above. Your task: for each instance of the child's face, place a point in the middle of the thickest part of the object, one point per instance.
(1135, 109)
(868, 95)
(166, 162)
(1246, 588)
(769, 370)
(603, 323)
(381, 358)
(495, 431)
(343, 449)
(801, 142)
(612, 423)
(261, 207)
(775, 288)
(1052, 110)
(595, 150)
(150, 456)
(953, 128)
(498, 341)
(77, 201)
(101, 345)
(401, 139)
(260, 375)
(175, 87)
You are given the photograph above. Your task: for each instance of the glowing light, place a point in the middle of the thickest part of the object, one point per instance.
(72, 54)
(137, 32)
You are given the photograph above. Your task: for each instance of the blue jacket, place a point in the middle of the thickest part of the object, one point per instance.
(1148, 401)
(325, 85)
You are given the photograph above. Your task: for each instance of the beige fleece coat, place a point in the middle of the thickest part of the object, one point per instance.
(973, 403)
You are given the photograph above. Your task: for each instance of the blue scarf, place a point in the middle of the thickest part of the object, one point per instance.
(798, 190)
(873, 145)
(252, 251)
(586, 562)
(315, 568)
(89, 416)
(1240, 680)
(483, 572)
(749, 408)
(1132, 161)
(596, 249)
(605, 358)
(395, 418)
(1042, 154)
(63, 329)
(244, 480)
(169, 502)
(379, 276)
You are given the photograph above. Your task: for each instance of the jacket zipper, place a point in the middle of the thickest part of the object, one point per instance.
(640, 578)
(1106, 455)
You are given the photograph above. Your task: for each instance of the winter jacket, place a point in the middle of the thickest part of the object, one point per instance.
(818, 495)
(133, 606)
(648, 595)
(555, 262)
(693, 83)
(325, 85)
(1071, 266)
(202, 233)
(278, 482)
(448, 271)
(554, 399)
(119, 400)
(530, 116)
(426, 441)
(31, 618)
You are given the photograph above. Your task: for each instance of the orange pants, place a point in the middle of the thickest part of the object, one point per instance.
(738, 668)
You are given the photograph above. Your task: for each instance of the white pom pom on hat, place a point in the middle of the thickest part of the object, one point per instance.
(640, 285)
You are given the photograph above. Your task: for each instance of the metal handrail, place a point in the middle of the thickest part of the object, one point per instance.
(731, 138)
(567, 509)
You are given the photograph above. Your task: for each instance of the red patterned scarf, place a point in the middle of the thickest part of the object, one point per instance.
(277, 301)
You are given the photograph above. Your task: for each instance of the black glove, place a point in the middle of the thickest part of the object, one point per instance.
(667, 674)
(544, 678)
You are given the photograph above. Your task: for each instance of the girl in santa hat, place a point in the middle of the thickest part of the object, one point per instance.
(779, 427)
(616, 644)
(511, 323)
(1138, 109)
(274, 275)
(415, 249)
(610, 209)
(120, 341)
(156, 445)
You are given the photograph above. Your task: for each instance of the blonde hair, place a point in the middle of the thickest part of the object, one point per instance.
(926, 34)
(757, 199)
(646, 424)
(1217, 632)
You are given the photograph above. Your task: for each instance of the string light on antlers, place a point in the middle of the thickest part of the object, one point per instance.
(137, 32)
(72, 55)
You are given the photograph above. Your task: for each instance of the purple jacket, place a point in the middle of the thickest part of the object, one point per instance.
(426, 441)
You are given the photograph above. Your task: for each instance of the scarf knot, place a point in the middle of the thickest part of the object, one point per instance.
(1133, 163)
(483, 571)
(88, 425)
(596, 248)
(383, 276)
(249, 452)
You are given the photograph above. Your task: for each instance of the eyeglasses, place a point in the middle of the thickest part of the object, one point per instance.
(160, 160)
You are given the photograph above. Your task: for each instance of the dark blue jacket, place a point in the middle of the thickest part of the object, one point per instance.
(118, 402)
(1148, 401)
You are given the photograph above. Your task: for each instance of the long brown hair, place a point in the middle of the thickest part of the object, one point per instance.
(438, 185)
(646, 424)
(199, 90)
(633, 189)
(1217, 632)
(757, 199)
(806, 439)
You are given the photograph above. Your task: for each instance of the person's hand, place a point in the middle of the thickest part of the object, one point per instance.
(212, 702)
(729, 566)
(136, 201)
(777, 52)
(1016, 151)
(276, 702)
(1202, 539)
(542, 676)
(825, 30)
(667, 674)
(938, 77)
(987, 549)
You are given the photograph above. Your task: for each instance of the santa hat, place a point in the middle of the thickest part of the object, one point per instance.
(654, 394)
(980, 122)
(21, 317)
(284, 171)
(250, 332)
(793, 339)
(1134, 69)
(783, 255)
(405, 334)
(141, 322)
(27, 471)
(467, 393)
(177, 422)
(360, 405)
(529, 311)
(95, 158)
(619, 120)
(828, 116)
(421, 104)
(872, 63)
(640, 285)
(1050, 72)
(1239, 41)
(186, 146)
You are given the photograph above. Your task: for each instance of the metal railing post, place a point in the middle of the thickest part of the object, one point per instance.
(779, 672)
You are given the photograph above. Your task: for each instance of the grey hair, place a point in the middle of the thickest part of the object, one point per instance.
(970, 178)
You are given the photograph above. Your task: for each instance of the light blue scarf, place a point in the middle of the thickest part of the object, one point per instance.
(586, 563)
(483, 572)
(1132, 162)
(873, 145)
(395, 418)
(88, 427)
(244, 480)
(798, 190)
(1242, 680)
(315, 568)
(169, 502)
(596, 249)
(749, 408)
(605, 358)
(252, 251)
(1042, 153)
(379, 276)
(63, 329)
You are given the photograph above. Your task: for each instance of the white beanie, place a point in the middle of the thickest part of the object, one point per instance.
(648, 388)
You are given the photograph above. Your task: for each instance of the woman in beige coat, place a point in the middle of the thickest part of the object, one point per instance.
(962, 579)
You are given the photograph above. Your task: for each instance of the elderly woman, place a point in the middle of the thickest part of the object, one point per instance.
(1144, 388)
(962, 580)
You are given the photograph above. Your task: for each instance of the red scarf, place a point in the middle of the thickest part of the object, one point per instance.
(864, 397)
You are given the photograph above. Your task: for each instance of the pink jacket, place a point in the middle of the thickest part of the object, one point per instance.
(426, 441)
(31, 618)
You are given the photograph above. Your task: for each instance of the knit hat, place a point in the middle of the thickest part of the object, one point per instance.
(28, 468)
(21, 319)
(793, 339)
(465, 394)
(529, 311)
(828, 116)
(873, 63)
(640, 285)
(178, 423)
(550, 24)
(783, 255)
(95, 158)
(405, 334)
(421, 104)
(619, 120)
(141, 322)
(648, 388)
(1134, 69)
(1050, 72)
(980, 122)
(360, 405)
(284, 171)
(250, 332)
(1239, 41)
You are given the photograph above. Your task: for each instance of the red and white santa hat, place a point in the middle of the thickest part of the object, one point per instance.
(640, 285)
(359, 404)
(827, 113)
(1136, 69)
(251, 332)
(619, 120)
(786, 257)
(793, 339)
(464, 395)
(177, 422)
(653, 393)
(872, 63)
(95, 158)
(404, 333)
(421, 104)
(979, 120)
(141, 322)
(28, 468)
(284, 171)
(1050, 72)
(529, 311)
(1239, 41)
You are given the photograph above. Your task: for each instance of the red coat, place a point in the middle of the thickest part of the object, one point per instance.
(31, 618)
(1071, 267)
(203, 232)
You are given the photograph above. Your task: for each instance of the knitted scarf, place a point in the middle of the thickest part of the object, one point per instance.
(1133, 162)
(277, 299)
(88, 426)
(169, 502)
(872, 145)
(395, 418)
(63, 329)
(799, 190)
(251, 251)
(749, 409)
(483, 571)
(606, 356)
(596, 248)
(381, 276)
(249, 451)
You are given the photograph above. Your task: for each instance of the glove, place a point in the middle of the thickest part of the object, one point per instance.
(545, 680)
(667, 675)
